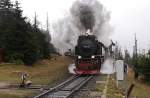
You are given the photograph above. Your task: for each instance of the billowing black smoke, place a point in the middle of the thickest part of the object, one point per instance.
(87, 18)
(83, 15)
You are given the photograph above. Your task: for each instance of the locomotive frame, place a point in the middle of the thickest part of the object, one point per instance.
(88, 65)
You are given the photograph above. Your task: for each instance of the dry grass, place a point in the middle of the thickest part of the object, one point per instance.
(43, 73)
(113, 91)
(100, 86)
(141, 90)
(15, 93)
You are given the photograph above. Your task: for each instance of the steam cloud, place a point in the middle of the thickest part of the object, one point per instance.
(108, 66)
(83, 15)
(86, 17)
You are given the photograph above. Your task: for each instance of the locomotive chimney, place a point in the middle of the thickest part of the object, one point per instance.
(88, 32)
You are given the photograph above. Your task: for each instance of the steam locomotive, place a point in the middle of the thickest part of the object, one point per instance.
(88, 55)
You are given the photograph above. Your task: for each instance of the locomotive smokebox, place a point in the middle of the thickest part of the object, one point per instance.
(87, 46)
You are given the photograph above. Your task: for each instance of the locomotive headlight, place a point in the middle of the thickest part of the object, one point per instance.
(92, 56)
(79, 57)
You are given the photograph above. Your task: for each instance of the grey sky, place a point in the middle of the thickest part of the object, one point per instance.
(127, 17)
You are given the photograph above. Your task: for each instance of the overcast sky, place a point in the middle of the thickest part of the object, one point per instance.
(127, 17)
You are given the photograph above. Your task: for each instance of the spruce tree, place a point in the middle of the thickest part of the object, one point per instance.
(18, 38)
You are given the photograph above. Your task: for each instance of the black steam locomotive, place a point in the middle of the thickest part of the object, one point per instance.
(89, 56)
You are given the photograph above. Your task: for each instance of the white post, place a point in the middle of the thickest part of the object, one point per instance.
(119, 66)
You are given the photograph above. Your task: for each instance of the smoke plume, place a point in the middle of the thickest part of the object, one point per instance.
(86, 17)
(83, 15)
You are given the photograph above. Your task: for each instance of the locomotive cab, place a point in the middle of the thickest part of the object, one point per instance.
(89, 56)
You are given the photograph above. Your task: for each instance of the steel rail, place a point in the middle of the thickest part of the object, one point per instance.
(79, 86)
(46, 93)
(67, 88)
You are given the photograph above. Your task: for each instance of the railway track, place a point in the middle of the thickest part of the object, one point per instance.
(67, 88)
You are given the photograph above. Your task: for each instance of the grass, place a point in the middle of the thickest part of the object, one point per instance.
(100, 86)
(141, 89)
(45, 72)
(16, 93)
(113, 91)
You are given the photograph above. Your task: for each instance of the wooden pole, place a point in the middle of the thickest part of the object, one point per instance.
(128, 92)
